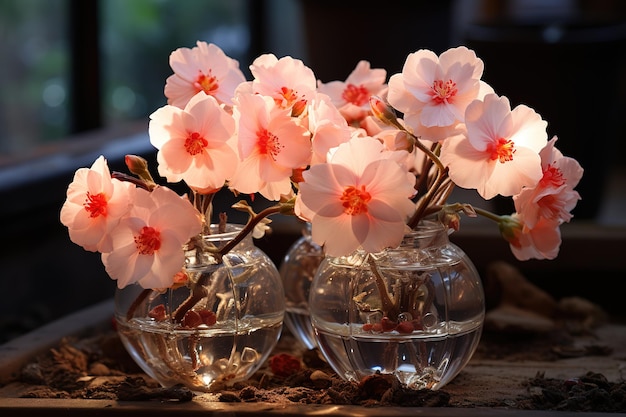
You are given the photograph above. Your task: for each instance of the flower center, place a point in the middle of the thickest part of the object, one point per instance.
(206, 83)
(148, 241)
(357, 95)
(443, 92)
(502, 150)
(268, 144)
(195, 144)
(552, 176)
(354, 200)
(551, 207)
(96, 204)
(288, 97)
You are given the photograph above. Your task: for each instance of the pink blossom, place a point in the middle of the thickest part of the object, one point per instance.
(500, 153)
(359, 199)
(434, 91)
(553, 197)
(352, 96)
(327, 125)
(439, 133)
(205, 68)
(542, 241)
(194, 143)
(371, 126)
(271, 145)
(399, 140)
(287, 80)
(94, 205)
(148, 243)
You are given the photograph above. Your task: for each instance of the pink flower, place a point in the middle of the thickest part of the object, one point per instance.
(271, 145)
(287, 80)
(328, 127)
(94, 205)
(194, 143)
(554, 197)
(439, 133)
(394, 139)
(205, 68)
(542, 241)
(360, 199)
(500, 154)
(434, 91)
(148, 243)
(352, 96)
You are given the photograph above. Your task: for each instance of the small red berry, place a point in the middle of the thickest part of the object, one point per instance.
(158, 313)
(368, 327)
(387, 324)
(192, 319)
(405, 327)
(208, 317)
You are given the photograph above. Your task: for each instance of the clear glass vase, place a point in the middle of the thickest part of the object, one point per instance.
(216, 329)
(415, 312)
(297, 271)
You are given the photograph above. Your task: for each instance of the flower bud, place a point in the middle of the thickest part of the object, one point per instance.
(450, 214)
(510, 229)
(450, 219)
(138, 166)
(298, 108)
(383, 111)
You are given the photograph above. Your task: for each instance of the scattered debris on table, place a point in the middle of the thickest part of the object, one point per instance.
(523, 323)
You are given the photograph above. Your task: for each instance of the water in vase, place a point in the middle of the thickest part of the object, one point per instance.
(419, 360)
(201, 357)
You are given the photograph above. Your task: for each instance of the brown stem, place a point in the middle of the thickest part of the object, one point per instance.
(142, 296)
(129, 178)
(248, 228)
(430, 153)
(390, 309)
(427, 198)
(198, 292)
(444, 191)
(424, 180)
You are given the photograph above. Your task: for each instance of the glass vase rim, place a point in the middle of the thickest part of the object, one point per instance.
(427, 228)
(232, 230)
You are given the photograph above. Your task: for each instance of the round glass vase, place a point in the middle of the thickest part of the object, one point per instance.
(297, 270)
(414, 313)
(216, 329)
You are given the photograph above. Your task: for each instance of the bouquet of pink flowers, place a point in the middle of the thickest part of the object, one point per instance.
(362, 160)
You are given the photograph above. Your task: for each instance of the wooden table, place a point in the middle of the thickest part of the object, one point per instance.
(503, 379)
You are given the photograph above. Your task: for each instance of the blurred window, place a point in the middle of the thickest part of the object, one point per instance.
(131, 43)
